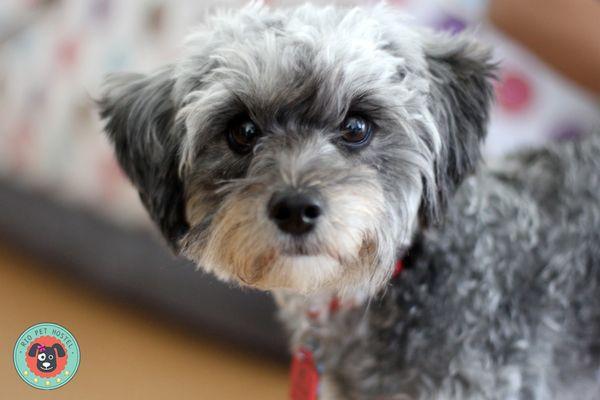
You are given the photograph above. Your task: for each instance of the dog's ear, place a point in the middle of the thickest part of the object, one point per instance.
(461, 73)
(33, 349)
(139, 111)
(58, 349)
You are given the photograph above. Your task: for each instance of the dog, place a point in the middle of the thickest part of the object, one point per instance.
(332, 157)
(46, 356)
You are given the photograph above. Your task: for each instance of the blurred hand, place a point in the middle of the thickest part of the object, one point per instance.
(564, 33)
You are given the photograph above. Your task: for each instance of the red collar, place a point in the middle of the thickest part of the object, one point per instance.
(398, 269)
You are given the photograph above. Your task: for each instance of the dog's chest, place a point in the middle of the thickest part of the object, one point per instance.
(331, 340)
(322, 329)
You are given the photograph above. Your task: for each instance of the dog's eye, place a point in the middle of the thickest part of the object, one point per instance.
(50, 357)
(42, 357)
(242, 135)
(356, 131)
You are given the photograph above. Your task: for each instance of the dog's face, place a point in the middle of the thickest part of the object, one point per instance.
(46, 356)
(302, 148)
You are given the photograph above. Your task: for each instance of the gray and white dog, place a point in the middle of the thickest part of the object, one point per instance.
(304, 151)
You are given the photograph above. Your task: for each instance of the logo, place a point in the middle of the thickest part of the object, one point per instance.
(46, 356)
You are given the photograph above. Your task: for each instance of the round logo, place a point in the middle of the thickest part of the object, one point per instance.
(46, 356)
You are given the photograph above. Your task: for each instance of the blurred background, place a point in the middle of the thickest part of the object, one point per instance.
(77, 249)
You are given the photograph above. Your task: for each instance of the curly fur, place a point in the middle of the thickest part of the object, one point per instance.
(499, 299)
(500, 302)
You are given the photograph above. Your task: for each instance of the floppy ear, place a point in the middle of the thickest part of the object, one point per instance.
(59, 349)
(139, 111)
(461, 72)
(33, 349)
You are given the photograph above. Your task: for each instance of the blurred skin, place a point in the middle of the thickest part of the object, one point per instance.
(564, 33)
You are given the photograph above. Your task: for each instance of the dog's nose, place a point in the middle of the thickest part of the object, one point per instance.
(294, 213)
(45, 364)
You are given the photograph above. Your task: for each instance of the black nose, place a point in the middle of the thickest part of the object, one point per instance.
(293, 212)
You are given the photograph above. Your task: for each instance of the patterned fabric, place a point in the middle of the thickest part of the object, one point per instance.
(53, 55)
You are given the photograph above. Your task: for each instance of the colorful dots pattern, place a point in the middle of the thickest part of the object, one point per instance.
(514, 91)
(451, 24)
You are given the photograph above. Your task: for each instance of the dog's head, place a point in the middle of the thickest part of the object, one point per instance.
(46, 356)
(302, 148)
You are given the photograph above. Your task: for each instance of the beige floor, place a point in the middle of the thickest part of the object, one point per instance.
(126, 354)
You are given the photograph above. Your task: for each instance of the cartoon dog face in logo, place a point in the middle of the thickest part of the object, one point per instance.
(46, 356)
